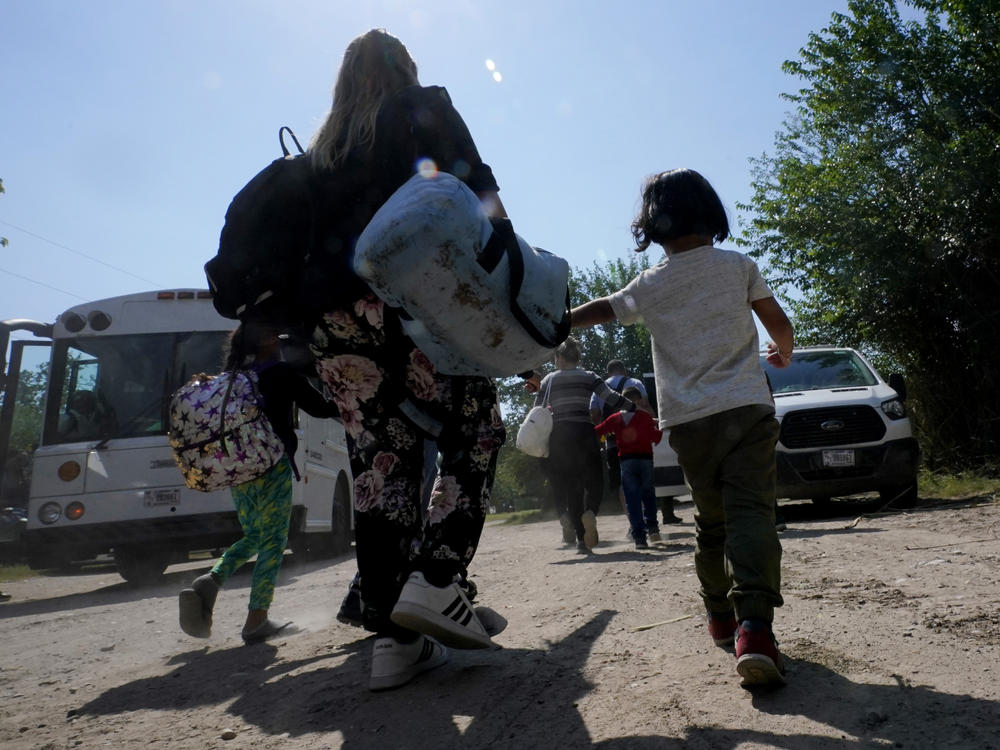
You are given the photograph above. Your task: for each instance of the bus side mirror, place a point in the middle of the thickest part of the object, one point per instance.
(897, 384)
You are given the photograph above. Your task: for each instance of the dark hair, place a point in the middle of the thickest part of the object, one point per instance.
(678, 203)
(633, 390)
(617, 364)
(241, 346)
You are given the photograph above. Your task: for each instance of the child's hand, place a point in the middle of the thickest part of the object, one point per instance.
(775, 357)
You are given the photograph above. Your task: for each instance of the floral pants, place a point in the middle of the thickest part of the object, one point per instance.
(390, 399)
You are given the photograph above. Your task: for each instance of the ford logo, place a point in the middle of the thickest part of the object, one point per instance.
(832, 425)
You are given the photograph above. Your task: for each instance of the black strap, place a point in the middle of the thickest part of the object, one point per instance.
(281, 140)
(503, 232)
(222, 418)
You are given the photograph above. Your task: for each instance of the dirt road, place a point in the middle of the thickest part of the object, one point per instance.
(891, 629)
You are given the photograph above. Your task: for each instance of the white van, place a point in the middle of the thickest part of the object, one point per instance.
(667, 473)
(844, 430)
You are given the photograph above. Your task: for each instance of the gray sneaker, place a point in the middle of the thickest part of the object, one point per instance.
(196, 605)
(568, 532)
(589, 521)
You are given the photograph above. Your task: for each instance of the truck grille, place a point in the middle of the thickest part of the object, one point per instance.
(813, 428)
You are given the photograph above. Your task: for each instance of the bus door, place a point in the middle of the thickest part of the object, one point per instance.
(22, 385)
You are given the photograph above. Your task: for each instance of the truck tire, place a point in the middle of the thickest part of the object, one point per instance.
(141, 565)
(335, 543)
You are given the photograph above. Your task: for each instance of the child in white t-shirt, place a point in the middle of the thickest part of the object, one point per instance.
(714, 398)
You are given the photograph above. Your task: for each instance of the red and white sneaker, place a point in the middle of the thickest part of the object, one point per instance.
(722, 627)
(758, 660)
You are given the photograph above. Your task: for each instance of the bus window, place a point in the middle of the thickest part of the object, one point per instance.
(198, 352)
(120, 386)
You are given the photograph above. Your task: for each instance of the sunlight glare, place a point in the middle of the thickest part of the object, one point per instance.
(497, 77)
(490, 65)
(426, 167)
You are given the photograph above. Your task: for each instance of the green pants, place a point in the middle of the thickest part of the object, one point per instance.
(728, 459)
(264, 508)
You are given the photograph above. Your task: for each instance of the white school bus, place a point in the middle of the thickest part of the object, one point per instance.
(103, 477)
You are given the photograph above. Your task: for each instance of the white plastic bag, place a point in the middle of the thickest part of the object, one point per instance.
(535, 431)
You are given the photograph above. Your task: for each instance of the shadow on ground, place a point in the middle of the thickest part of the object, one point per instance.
(168, 585)
(523, 698)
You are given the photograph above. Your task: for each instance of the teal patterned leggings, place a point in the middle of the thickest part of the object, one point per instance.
(264, 508)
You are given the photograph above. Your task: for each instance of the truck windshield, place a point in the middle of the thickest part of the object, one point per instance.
(812, 371)
(104, 387)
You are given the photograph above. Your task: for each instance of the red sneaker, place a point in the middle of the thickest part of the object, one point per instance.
(758, 661)
(722, 628)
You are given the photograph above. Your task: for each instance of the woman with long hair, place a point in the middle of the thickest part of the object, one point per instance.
(382, 128)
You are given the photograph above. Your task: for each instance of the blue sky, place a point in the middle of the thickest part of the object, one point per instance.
(126, 127)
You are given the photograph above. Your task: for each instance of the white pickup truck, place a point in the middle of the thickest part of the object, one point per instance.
(844, 430)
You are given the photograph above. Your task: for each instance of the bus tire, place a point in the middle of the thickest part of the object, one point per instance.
(341, 535)
(141, 565)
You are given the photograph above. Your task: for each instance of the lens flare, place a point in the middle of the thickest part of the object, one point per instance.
(426, 167)
(497, 77)
(490, 65)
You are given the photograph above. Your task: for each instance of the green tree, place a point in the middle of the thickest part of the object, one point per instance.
(609, 341)
(26, 428)
(879, 209)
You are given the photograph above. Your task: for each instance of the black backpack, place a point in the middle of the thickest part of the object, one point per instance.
(606, 409)
(268, 233)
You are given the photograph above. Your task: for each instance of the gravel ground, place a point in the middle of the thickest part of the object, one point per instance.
(891, 630)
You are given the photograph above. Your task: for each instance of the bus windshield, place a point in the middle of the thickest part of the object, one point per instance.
(104, 387)
(813, 371)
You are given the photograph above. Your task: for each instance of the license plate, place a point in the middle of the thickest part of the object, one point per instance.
(838, 458)
(156, 498)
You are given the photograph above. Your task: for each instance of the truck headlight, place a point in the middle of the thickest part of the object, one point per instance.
(894, 408)
(49, 513)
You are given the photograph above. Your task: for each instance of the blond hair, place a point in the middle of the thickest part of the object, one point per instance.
(376, 64)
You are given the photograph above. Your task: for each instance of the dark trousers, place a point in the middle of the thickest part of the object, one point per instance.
(640, 496)
(728, 459)
(575, 471)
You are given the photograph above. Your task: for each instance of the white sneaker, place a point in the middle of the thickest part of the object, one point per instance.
(589, 521)
(442, 612)
(395, 663)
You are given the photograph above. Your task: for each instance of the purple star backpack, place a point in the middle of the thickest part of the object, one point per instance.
(219, 432)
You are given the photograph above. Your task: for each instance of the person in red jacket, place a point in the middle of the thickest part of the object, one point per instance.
(636, 433)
